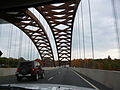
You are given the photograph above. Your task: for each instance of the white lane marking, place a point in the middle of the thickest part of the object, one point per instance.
(86, 80)
(50, 78)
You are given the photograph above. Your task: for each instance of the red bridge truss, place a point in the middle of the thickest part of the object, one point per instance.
(59, 16)
(24, 19)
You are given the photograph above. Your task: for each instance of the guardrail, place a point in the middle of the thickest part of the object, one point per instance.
(108, 78)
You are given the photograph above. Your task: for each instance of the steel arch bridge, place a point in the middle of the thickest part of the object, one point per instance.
(60, 17)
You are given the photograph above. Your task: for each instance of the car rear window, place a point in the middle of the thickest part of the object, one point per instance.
(26, 64)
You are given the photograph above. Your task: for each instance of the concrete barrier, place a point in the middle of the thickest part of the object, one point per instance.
(108, 78)
(11, 71)
(7, 71)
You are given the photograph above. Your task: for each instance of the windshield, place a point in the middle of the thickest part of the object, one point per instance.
(60, 42)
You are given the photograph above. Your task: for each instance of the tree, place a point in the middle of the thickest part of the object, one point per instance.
(109, 58)
(21, 59)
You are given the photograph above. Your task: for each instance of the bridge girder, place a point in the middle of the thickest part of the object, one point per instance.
(26, 21)
(60, 18)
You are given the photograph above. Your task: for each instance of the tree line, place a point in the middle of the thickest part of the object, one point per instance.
(104, 64)
(10, 62)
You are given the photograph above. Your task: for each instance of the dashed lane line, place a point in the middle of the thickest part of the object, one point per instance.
(50, 78)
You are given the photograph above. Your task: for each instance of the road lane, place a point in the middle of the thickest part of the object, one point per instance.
(67, 77)
(56, 76)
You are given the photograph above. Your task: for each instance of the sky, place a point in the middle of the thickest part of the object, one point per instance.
(104, 35)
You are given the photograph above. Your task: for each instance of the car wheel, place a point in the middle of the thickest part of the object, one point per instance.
(19, 78)
(42, 75)
(36, 77)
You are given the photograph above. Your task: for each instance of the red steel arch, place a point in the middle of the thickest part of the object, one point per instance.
(30, 25)
(60, 18)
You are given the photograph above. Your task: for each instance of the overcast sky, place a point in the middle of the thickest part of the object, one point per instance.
(105, 42)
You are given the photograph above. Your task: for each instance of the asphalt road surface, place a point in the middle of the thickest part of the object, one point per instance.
(64, 76)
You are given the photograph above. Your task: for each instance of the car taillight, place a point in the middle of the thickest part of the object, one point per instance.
(18, 70)
(33, 69)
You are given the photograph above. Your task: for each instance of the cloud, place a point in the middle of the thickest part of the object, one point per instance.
(104, 34)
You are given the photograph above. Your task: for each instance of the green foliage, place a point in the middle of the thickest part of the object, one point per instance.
(10, 62)
(105, 64)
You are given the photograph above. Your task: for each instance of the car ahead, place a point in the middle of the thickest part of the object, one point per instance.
(29, 69)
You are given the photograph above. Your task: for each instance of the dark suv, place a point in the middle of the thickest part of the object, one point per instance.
(30, 70)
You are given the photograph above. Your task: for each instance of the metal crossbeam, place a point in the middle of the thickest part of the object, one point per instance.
(20, 4)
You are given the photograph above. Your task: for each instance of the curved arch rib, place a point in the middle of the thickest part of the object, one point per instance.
(60, 18)
(30, 25)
